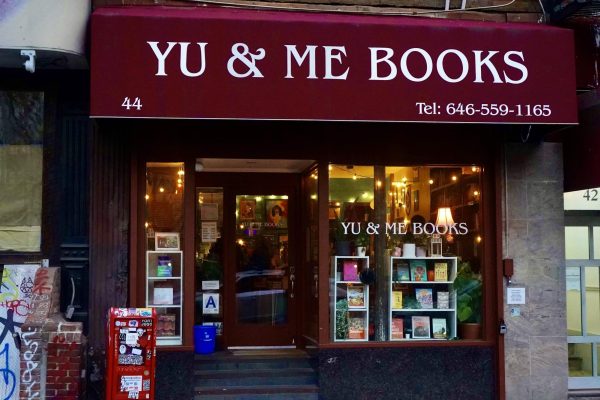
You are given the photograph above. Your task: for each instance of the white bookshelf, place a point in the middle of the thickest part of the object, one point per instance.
(411, 285)
(164, 292)
(341, 287)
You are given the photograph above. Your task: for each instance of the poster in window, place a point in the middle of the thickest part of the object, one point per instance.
(277, 212)
(247, 209)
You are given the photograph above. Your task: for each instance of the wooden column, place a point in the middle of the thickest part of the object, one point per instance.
(109, 227)
(381, 269)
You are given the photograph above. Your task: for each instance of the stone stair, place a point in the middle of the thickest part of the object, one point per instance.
(255, 375)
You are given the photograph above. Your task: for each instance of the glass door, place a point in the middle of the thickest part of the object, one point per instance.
(266, 284)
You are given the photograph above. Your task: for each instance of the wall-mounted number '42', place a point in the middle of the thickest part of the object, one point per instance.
(137, 103)
(591, 195)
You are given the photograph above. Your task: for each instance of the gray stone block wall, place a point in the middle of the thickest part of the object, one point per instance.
(536, 361)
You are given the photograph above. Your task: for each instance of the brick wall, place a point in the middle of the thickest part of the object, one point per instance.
(52, 349)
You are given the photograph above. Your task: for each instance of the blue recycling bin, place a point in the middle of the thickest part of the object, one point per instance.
(204, 339)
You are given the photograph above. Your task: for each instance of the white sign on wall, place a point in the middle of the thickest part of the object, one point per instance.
(515, 295)
(588, 199)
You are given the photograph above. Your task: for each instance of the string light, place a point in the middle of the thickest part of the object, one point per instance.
(147, 197)
(354, 177)
(161, 189)
(454, 178)
(431, 181)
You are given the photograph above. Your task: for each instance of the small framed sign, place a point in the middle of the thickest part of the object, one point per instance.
(166, 241)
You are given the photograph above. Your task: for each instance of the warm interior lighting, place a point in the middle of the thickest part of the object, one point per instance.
(444, 217)
(476, 193)
(478, 239)
(454, 178)
(337, 204)
(313, 196)
(330, 167)
(240, 242)
(285, 197)
(146, 224)
(431, 181)
(379, 184)
(147, 197)
(354, 177)
(258, 198)
(162, 189)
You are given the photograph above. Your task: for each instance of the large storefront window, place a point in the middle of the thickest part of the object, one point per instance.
(164, 248)
(21, 148)
(582, 252)
(406, 251)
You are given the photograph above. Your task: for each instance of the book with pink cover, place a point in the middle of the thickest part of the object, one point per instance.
(350, 270)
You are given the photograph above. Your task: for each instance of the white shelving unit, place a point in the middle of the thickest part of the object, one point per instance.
(345, 283)
(412, 285)
(164, 292)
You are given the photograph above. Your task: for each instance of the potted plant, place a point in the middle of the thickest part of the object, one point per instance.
(361, 241)
(341, 240)
(468, 285)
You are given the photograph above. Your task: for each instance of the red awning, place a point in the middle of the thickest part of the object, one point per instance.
(227, 63)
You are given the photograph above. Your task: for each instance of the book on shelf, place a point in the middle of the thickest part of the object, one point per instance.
(356, 296)
(439, 328)
(418, 270)
(350, 270)
(402, 271)
(443, 300)
(421, 328)
(397, 328)
(425, 297)
(441, 271)
(356, 328)
(396, 299)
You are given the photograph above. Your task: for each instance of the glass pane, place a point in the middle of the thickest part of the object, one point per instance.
(412, 212)
(577, 246)
(262, 259)
(209, 253)
(580, 359)
(596, 233)
(592, 300)
(164, 242)
(574, 327)
(21, 161)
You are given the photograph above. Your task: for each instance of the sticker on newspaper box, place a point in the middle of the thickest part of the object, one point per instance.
(131, 383)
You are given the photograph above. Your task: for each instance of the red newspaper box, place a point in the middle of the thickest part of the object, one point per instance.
(131, 353)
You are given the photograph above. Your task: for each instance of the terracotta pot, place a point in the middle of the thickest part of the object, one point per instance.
(469, 331)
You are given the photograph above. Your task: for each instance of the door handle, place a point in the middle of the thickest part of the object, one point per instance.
(292, 280)
(316, 278)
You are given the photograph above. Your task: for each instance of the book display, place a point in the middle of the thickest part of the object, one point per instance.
(424, 306)
(350, 316)
(164, 293)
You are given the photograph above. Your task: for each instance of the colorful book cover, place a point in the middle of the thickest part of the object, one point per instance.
(396, 299)
(421, 328)
(356, 328)
(424, 297)
(356, 296)
(397, 328)
(418, 270)
(402, 271)
(440, 331)
(443, 300)
(441, 271)
(350, 271)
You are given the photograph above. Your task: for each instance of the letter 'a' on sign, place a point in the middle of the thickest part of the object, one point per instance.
(210, 303)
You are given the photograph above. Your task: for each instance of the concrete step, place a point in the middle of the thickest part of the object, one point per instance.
(255, 377)
(277, 392)
(252, 363)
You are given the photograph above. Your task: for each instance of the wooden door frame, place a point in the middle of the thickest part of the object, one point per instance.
(255, 183)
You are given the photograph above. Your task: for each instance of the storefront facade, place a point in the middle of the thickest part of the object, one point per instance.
(343, 131)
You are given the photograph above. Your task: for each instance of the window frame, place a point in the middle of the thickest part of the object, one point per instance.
(590, 221)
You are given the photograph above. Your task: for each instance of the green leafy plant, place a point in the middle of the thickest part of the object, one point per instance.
(410, 303)
(468, 286)
(341, 319)
(362, 239)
